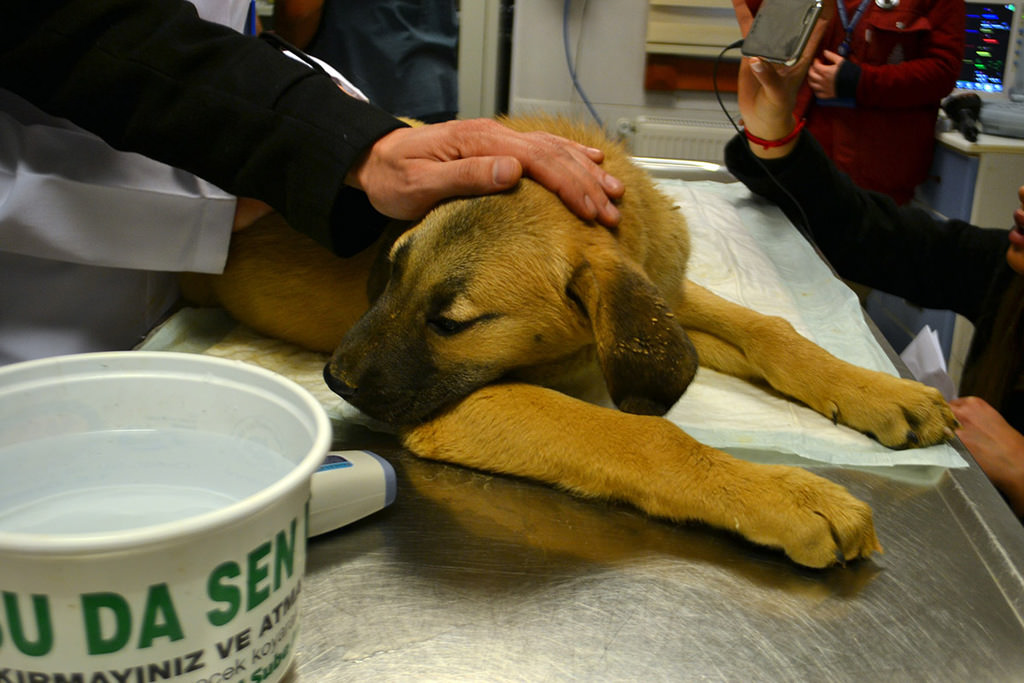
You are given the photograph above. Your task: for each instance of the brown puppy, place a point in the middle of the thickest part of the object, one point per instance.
(487, 314)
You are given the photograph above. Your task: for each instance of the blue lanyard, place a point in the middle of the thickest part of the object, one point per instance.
(848, 25)
(250, 20)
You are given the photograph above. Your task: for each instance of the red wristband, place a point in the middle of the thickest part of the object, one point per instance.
(768, 144)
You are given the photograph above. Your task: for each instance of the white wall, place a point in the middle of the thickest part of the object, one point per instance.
(479, 24)
(609, 53)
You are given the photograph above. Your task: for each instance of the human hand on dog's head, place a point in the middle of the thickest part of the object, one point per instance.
(409, 170)
(767, 92)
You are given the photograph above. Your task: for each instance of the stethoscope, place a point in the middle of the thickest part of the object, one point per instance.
(850, 23)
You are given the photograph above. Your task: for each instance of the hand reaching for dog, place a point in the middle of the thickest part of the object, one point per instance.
(410, 170)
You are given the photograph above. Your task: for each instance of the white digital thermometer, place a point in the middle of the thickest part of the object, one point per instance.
(348, 486)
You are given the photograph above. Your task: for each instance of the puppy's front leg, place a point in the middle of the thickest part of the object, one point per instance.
(530, 431)
(899, 413)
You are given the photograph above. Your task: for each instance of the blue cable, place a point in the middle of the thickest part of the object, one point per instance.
(572, 68)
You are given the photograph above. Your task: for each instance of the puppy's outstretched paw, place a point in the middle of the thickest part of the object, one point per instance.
(898, 413)
(817, 523)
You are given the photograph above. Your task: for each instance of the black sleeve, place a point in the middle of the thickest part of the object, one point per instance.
(868, 238)
(149, 76)
(847, 80)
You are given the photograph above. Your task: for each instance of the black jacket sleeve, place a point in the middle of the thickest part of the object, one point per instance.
(868, 238)
(149, 76)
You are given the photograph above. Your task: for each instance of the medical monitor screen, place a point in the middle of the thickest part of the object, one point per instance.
(986, 44)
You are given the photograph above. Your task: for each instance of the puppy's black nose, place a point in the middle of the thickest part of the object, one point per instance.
(336, 385)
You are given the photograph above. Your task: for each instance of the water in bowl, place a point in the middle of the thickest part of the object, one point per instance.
(97, 482)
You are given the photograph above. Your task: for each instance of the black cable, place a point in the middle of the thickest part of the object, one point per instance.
(804, 225)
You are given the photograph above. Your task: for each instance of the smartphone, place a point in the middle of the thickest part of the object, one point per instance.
(781, 29)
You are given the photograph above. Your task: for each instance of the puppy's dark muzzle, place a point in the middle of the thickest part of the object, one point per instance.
(337, 385)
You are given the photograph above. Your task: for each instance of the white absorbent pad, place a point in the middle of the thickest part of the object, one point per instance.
(747, 251)
(744, 250)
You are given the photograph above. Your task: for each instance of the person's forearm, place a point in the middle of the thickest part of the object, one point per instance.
(868, 238)
(778, 141)
(770, 127)
(788, 165)
(71, 197)
(149, 76)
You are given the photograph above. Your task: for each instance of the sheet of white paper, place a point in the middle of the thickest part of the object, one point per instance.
(924, 359)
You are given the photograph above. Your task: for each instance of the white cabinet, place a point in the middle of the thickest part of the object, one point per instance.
(975, 181)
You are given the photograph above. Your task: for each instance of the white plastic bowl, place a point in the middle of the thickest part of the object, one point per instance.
(153, 511)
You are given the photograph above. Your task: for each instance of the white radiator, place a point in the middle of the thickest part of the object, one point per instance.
(652, 136)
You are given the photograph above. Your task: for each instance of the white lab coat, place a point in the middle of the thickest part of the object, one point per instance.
(91, 238)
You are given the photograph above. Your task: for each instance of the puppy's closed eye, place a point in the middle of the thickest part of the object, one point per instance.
(449, 327)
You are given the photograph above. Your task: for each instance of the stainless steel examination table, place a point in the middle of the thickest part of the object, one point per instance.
(475, 577)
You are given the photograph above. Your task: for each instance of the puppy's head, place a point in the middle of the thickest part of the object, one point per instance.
(495, 287)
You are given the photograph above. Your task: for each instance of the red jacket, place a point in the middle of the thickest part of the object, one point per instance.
(908, 59)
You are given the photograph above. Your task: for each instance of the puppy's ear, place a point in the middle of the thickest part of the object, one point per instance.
(646, 358)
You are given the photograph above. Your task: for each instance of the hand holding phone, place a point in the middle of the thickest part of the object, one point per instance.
(767, 92)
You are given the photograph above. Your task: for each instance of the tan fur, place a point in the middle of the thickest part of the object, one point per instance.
(496, 306)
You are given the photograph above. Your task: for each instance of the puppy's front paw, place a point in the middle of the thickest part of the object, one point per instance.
(815, 521)
(899, 413)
